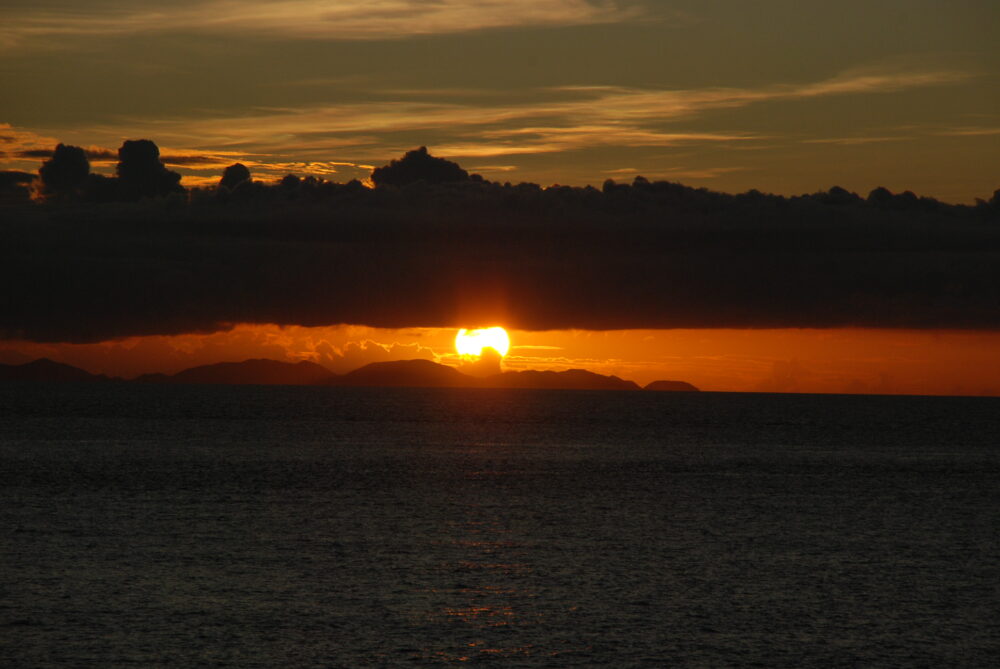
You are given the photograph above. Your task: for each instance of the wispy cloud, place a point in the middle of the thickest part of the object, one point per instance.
(310, 19)
(16, 142)
(584, 117)
(551, 139)
(675, 172)
(971, 132)
(851, 141)
(912, 132)
(304, 139)
(492, 168)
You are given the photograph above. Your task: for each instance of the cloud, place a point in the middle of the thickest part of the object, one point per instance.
(213, 160)
(26, 149)
(276, 141)
(971, 132)
(305, 19)
(492, 168)
(871, 80)
(557, 139)
(570, 118)
(35, 153)
(853, 141)
(263, 165)
(94, 154)
(340, 349)
(16, 141)
(647, 256)
(675, 172)
(273, 142)
(355, 354)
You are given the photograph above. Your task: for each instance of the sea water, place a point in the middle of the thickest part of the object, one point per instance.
(171, 526)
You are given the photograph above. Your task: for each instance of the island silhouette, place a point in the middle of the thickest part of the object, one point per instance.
(398, 373)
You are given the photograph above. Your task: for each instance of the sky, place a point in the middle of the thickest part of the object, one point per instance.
(844, 360)
(783, 96)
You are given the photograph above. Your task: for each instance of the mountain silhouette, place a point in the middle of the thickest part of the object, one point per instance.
(44, 370)
(414, 373)
(249, 372)
(670, 386)
(427, 374)
(571, 379)
(399, 373)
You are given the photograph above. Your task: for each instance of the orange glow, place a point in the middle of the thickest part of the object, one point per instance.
(472, 342)
(849, 360)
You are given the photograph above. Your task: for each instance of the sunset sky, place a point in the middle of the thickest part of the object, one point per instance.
(783, 96)
(786, 360)
(779, 95)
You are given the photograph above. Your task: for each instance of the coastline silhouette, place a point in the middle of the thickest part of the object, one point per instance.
(399, 373)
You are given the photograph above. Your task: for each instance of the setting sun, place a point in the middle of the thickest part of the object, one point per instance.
(472, 342)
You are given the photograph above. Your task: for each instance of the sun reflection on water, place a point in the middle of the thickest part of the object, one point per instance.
(492, 590)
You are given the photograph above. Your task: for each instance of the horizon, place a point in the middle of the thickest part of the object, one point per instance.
(467, 369)
(825, 361)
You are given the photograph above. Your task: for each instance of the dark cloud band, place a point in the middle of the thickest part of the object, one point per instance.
(649, 256)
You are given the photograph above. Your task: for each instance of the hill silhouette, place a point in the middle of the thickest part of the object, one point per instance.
(571, 379)
(249, 372)
(414, 373)
(398, 373)
(670, 386)
(44, 370)
(427, 374)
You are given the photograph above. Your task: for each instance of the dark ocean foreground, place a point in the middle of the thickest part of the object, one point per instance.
(322, 527)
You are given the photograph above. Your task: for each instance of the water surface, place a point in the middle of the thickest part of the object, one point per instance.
(314, 527)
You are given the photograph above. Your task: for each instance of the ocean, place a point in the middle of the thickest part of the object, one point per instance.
(156, 526)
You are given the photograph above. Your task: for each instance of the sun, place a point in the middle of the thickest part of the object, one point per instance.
(472, 342)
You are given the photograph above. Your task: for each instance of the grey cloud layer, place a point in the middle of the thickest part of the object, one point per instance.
(656, 256)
